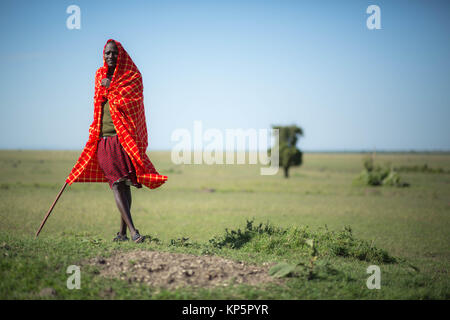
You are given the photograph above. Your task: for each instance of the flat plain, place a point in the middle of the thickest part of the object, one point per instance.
(232, 212)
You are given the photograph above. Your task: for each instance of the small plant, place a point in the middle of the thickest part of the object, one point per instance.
(150, 238)
(377, 175)
(393, 179)
(180, 242)
(368, 164)
(92, 241)
(312, 269)
(236, 239)
(300, 269)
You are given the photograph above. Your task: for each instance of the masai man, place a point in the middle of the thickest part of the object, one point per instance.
(115, 151)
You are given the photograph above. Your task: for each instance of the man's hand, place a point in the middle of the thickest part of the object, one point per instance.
(106, 82)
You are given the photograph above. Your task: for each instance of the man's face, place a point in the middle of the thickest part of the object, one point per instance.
(111, 54)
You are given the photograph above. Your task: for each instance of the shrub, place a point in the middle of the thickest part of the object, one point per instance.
(300, 241)
(377, 175)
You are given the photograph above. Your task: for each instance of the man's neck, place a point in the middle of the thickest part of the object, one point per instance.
(111, 72)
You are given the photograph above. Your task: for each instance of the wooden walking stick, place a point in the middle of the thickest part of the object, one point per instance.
(51, 208)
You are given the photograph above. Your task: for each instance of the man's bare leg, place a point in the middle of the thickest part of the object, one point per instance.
(123, 225)
(122, 198)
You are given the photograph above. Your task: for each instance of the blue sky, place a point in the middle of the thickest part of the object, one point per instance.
(234, 64)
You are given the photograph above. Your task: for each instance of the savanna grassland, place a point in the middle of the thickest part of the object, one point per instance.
(318, 220)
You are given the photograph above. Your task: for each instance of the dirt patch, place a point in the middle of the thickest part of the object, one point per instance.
(173, 270)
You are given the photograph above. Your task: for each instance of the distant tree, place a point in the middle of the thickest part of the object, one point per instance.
(290, 155)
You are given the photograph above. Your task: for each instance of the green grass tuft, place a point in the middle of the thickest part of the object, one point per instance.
(266, 238)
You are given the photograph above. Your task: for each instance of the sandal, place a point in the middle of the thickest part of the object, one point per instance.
(120, 238)
(137, 237)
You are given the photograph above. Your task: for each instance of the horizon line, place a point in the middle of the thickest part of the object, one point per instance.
(409, 150)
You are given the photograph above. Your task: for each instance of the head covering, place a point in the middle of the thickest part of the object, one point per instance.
(126, 100)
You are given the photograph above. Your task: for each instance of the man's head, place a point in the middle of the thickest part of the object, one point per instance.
(111, 53)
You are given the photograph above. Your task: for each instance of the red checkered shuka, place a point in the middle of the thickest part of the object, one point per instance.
(126, 100)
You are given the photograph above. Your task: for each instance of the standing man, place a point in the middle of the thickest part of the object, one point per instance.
(116, 149)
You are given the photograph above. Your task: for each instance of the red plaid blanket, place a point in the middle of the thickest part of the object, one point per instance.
(125, 95)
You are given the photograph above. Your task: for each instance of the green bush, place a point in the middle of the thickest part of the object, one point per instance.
(376, 175)
(393, 179)
(284, 242)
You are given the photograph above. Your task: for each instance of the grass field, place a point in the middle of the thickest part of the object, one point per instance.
(411, 225)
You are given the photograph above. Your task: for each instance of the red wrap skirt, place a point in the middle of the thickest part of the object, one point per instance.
(115, 162)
